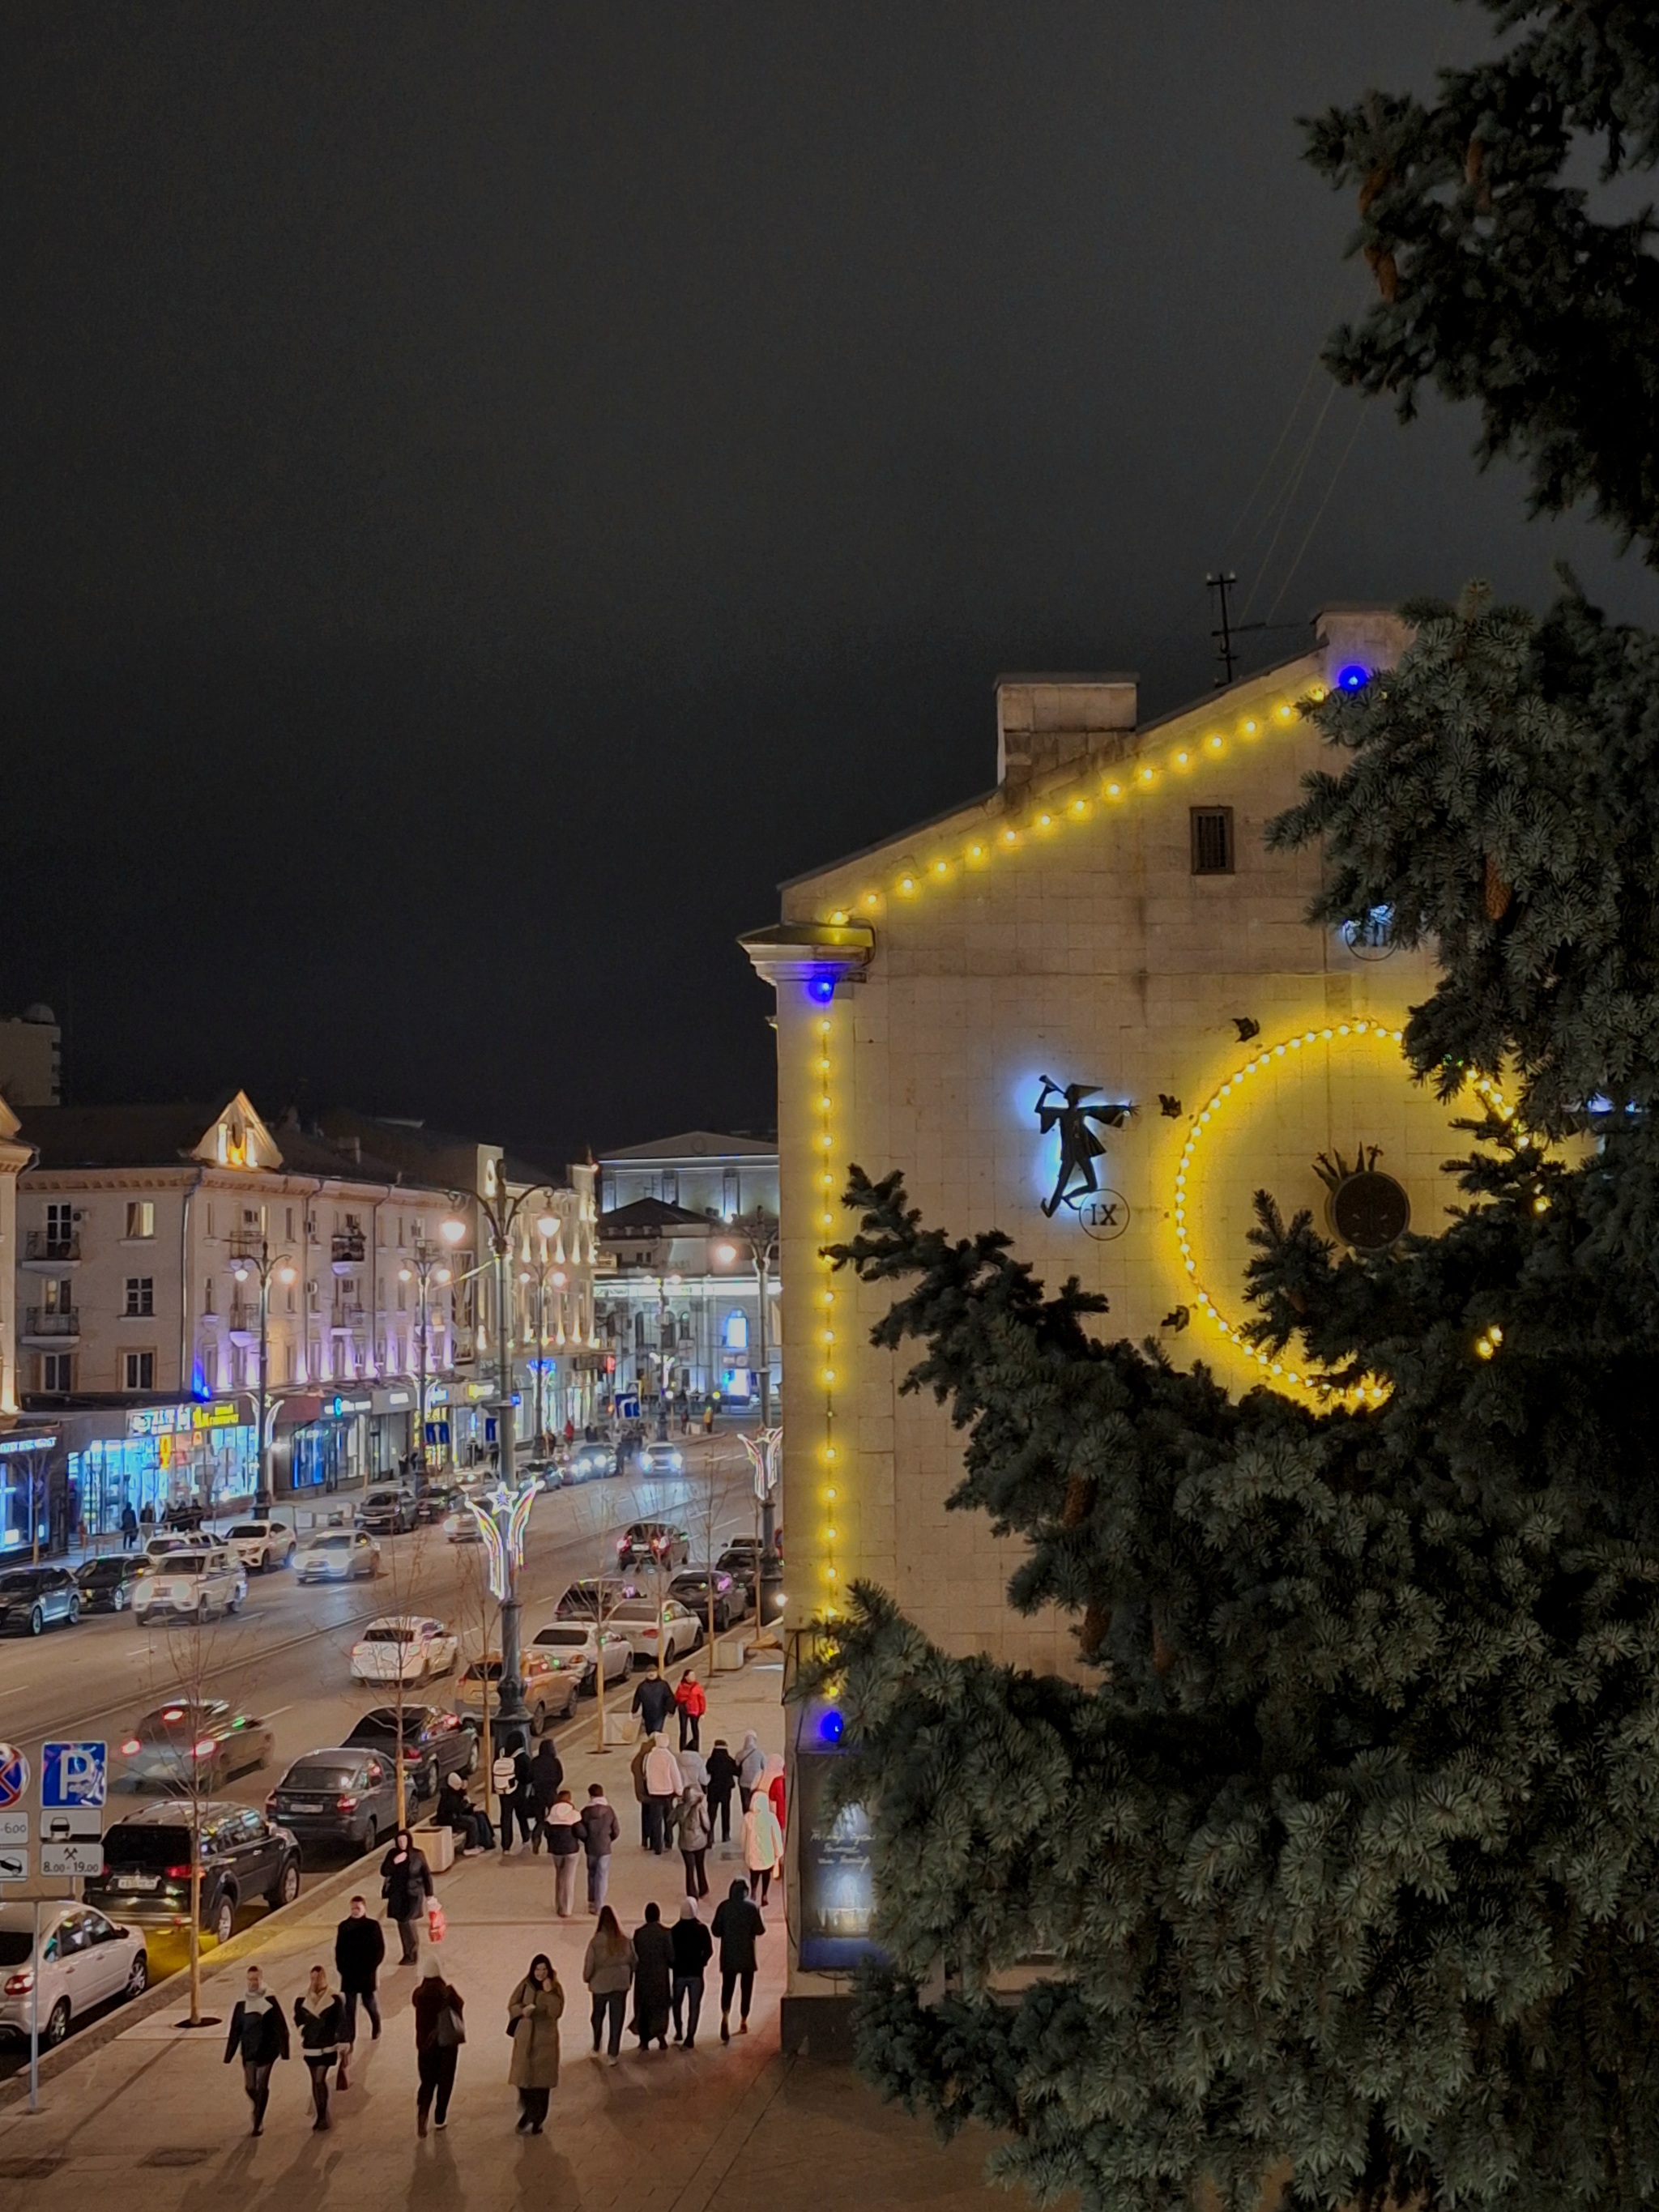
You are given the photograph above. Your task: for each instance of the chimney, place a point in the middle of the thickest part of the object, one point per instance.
(1353, 638)
(1049, 722)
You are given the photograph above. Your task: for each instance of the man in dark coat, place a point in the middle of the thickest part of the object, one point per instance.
(546, 1780)
(359, 1951)
(653, 1981)
(693, 1949)
(737, 1925)
(599, 1831)
(258, 2036)
(406, 1884)
(654, 1701)
(722, 1781)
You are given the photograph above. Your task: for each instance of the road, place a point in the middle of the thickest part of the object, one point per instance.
(286, 1655)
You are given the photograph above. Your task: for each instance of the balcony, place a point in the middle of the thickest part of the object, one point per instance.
(344, 1319)
(40, 1326)
(44, 1248)
(349, 1248)
(244, 1323)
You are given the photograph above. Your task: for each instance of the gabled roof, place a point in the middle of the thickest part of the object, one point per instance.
(694, 1144)
(650, 1216)
(117, 1136)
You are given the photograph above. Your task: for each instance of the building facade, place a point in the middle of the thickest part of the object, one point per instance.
(1089, 1009)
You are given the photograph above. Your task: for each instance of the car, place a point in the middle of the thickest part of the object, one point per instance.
(33, 1598)
(190, 1586)
(589, 1462)
(594, 1595)
(437, 1742)
(407, 1647)
(106, 1585)
(338, 1555)
(462, 1525)
(578, 1644)
(387, 1512)
(84, 1961)
(548, 1473)
(436, 1501)
(660, 1458)
(196, 1743)
(637, 1618)
(261, 1544)
(549, 1689)
(653, 1543)
(147, 1858)
(346, 1798)
(698, 1585)
(163, 1545)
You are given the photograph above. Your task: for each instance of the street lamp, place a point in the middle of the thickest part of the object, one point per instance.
(759, 1231)
(426, 1266)
(248, 1258)
(501, 1213)
(543, 1272)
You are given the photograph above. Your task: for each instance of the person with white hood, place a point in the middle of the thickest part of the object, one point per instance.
(562, 1825)
(662, 1784)
(762, 1845)
(751, 1764)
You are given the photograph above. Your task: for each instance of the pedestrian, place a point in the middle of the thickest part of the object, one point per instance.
(317, 2012)
(694, 1767)
(128, 1525)
(751, 1764)
(563, 1830)
(599, 1829)
(654, 1701)
(762, 1845)
(406, 1884)
(636, 1772)
(662, 1784)
(147, 1515)
(691, 1832)
(359, 1952)
(259, 2037)
(455, 1810)
(607, 1969)
(692, 1699)
(738, 1924)
(439, 2032)
(708, 1418)
(546, 1780)
(722, 1781)
(693, 1949)
(533, 2022)
(653, 1981)
(504, 1780)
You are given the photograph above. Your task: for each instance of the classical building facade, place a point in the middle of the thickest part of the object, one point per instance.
(1087, 1009)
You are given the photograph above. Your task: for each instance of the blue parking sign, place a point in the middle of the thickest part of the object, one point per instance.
(73, 1776)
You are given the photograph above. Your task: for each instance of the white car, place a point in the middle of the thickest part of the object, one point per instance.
(578, 1644)
(338, 1555)
(189, 1585)
(636, 1618)
(163, 1548)
(261, 1544)
(407, 1647)
(461, 1526)
(85, 1961)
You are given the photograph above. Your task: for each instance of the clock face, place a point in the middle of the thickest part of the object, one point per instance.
(1369, 1211)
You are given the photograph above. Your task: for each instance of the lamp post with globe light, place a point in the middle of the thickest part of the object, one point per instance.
(542, 1271)
(425, 1266)
(249, 1257)
(759, 1231)
(501, 1213)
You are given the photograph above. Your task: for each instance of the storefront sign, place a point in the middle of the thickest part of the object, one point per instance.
(222, 1415)
(438, 1395)
(157, 1421)
(347, 1405)
(11, 1445)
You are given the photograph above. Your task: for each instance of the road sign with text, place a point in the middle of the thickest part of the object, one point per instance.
(73, 1775)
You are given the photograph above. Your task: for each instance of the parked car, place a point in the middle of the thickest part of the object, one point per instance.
(549, 1689)
(338, 1555)
(461, 1524)
(578, 1644)
(592, 1596)
(437, 1742)
(407, 1647)
(387, 1513)
(33, 1598)
(84, 1960)
(191, 1585)
(695, 1588)
(163, 1544)
(636, 1619)
(590, 1462)
(661, 1457)
(202, 1743)
(106, 1585)
(547, 1471)
(653, 1543)
(261, 1544)
(147, 1858)
(436, 1501)
(345, 1799)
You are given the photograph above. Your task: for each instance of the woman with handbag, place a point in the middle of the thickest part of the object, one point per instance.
(406, 1885)
(439, 2032)
(318, 2014)
(533, 2022)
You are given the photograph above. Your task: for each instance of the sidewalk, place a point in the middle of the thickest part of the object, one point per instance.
(156, 2117)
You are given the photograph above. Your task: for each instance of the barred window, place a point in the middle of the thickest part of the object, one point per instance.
(1212, 841)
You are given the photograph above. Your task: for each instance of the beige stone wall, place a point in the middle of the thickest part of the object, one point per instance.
(1082, 947)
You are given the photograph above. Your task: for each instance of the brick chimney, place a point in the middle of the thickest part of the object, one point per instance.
(1049, 722)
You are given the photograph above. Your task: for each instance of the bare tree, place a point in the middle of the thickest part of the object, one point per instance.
(721, 1480)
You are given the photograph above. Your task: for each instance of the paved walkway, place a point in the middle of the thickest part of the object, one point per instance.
(153, 2115)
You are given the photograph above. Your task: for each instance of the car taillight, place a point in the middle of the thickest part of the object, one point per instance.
(19, 1986)
(205, 1747)
(178, 1874)
(345, 1804)
(650, 1632)
(132, 1748)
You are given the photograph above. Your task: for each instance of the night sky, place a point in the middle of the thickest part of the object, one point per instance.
(489, 492)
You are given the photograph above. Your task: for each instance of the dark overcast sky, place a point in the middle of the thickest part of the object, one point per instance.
(488, 492)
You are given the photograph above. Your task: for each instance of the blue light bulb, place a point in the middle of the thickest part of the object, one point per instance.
(832, 1727)
(823, 988)
(1353, 677)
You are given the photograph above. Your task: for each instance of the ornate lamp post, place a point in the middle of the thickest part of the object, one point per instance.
(427, 1267)
(247, 1259)
(759, 1231)
(542, 1271)
(501, 1213)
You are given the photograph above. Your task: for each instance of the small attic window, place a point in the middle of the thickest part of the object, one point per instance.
(1212, 841)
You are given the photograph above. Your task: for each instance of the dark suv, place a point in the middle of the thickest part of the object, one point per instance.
(346, 1798)
(31, 1598)
(147, 1858)
(645, 1541)
(437, 1742)
(387, 1512)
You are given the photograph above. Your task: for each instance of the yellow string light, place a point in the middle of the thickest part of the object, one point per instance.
(823, 1069)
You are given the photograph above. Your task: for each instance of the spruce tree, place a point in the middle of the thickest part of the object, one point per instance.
(1340, 1868)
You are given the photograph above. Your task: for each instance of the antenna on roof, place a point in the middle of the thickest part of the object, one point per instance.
(1226, 632)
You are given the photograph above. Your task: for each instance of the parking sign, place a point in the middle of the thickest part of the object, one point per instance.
(13, 1775)
(73, 1776)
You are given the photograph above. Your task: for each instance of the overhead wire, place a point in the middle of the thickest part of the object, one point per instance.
(1319, 511)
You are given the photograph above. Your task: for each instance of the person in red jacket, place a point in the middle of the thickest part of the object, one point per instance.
(692, 1701)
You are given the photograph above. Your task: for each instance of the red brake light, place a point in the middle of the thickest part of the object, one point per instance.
(345, 1804)
(132, 1748)
(19, 1986)
(173, 1713)
(178, 1874)
(205, 1746)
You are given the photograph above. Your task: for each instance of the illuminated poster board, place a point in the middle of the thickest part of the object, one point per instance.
(836, 1903)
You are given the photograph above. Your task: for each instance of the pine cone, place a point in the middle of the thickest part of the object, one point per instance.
(1496, 893)
(1096, 1626)
(1079, 1502)
(1386, 271)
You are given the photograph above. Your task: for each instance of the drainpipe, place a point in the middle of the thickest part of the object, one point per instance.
(184, 1281)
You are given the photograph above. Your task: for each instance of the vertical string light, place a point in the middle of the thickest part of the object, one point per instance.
(825, 1308)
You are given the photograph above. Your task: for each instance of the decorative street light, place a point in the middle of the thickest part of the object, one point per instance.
(542, 1271)
(247, 1258)
(759, 1231)
(501, 1213)
(426, 1266)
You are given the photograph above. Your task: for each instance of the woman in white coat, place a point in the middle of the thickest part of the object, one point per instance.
(762, 1845)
